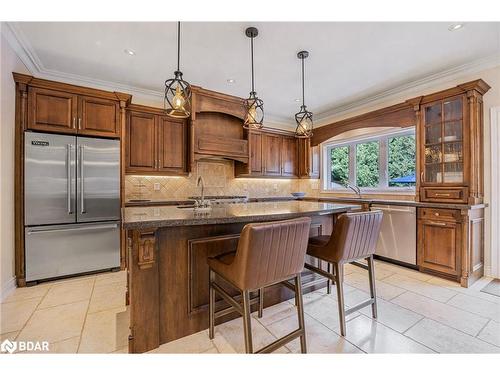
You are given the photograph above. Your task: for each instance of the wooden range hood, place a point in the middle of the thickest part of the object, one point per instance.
(217, 127)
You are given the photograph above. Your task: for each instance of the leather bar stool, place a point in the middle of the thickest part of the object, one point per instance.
(354, 237)
(267, 254)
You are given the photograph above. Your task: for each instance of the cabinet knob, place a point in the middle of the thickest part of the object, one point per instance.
(436, 214)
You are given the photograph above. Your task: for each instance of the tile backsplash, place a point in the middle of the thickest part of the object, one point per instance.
(219, 180)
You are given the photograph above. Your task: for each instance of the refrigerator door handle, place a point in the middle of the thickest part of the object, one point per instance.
(65, 229)
(82, 181)
(68, 176)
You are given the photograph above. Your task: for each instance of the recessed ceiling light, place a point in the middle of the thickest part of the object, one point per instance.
(231, 80)
(455, 26)
(297, 100)
(129, 52)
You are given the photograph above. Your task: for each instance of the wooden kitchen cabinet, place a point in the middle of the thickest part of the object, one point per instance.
(308, 163)
(256, 167)
(289, 157)
(51, 110)
(439, 242)
(271, 154)
(98, 117)
(450, 144)
(155, 143)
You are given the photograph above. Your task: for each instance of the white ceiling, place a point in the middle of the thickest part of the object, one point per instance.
(348, 62)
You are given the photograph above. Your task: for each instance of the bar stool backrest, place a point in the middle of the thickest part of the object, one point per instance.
(355, 236)
(270, 252)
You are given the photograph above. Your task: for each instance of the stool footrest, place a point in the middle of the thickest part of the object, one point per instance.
(368, 302)
(282, 341)
(360, 265)
(320, 272)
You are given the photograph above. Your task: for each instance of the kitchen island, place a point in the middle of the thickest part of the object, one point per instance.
(167, 252)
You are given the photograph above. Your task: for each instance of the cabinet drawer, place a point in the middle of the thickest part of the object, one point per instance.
(439, 214)
(444, 194)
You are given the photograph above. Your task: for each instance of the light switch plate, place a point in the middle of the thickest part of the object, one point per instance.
(156, 186)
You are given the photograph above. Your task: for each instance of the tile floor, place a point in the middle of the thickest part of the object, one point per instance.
(418, 313)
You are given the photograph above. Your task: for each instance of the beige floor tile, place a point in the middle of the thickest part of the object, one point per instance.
(64, 293)
(384, 290)
(232, 332)
(444, 339)
(319, 339)
(451, 316)
(373, 337)
(420, 287)
(325, 310)
(67, 280)
(20, 294)
(474, 290)
(403, 271)
(380, 272)
(55, 323)
(14, 315)
(9, 335)
(477, 306)
(196, 343)
(122, 350)
(111, 277)
(222, 345)
(68, 346)
(105, 331)
(491, 333)
(388, 313)
(276, 312)
(211, 351)
(108, 296)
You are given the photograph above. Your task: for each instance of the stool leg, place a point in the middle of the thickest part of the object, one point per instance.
(373, 292)
(211, 307)
(328, 281)
(247, 325)
(339, 281)
(300, 311)
(261, 302)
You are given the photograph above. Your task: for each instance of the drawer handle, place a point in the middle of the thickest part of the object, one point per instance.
(442, 194)
(436, 214)
(441, 224)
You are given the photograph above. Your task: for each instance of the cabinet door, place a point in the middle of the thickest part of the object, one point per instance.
(314, 172)
(172, 145)
(140, 143)
(52, 111)
(100, 117)
(256, 167)
(271, 154)
(439, 246)
(289, 157)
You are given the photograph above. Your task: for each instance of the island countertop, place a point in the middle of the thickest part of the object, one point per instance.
(167, 216)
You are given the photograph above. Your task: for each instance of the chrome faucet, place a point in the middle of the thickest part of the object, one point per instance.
(355, 188)
(201, 202)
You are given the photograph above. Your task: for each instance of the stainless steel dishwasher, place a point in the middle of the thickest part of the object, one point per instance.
(398, 234)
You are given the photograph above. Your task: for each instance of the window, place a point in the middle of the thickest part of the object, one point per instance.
(382, 162)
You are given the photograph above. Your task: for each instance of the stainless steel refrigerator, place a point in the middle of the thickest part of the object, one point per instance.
(72, 205)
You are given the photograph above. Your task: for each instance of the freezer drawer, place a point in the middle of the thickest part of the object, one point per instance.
(61, 250)
(49, 182)
(98, 182)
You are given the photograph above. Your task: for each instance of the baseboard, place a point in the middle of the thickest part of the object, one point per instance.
(7, 289)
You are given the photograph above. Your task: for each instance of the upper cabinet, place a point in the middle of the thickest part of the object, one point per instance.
(450, 128)
(62, 108)
(271, 155)
(308, 165)
(155, 143)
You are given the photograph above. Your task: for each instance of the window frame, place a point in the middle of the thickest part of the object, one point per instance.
(383, 158)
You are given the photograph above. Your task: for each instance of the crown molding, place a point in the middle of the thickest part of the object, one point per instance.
(28, 56)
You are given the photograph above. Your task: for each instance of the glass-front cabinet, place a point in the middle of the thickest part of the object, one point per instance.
(443, 161)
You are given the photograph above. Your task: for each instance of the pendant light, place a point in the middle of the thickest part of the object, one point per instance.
(254, 107)
(177, 91)
(303, 118)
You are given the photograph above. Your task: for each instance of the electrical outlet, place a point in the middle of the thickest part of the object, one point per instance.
(156, 186)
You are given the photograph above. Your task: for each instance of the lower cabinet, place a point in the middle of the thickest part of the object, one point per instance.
(439, 246)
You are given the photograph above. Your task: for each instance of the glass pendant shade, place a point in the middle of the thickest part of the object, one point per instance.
(177, 91)
(254, 107)
(303, 118)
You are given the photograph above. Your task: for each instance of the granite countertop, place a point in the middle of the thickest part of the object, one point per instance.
(190, 200)
(168, 216)
(392, 202)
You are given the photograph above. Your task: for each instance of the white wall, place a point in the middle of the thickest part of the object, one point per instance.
(9, 63)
